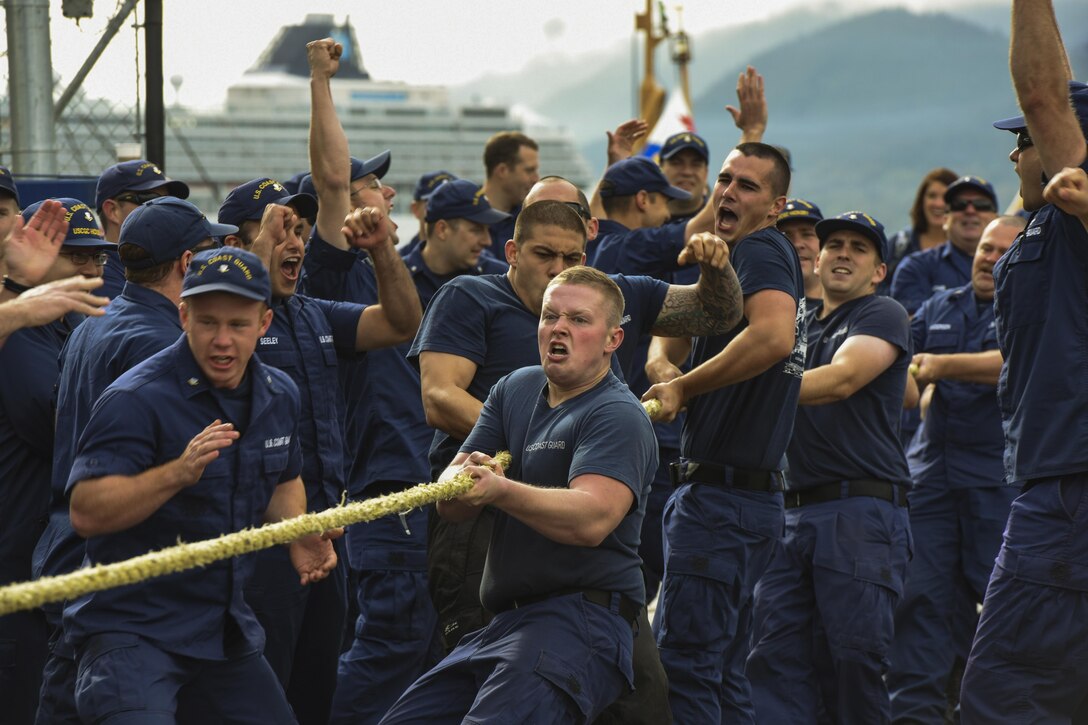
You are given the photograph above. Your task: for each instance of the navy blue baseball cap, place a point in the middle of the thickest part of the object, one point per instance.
(638, 173)
(306, 186)
(684, 140)
(970, 182)
(800, 210)
(227, 269)
(7, 183)
(462, 199)
(428, 183)
(137, 175)
(292, 184)
(1078, 96)
(247, 202)
(377, 165)
(165, 228)
(83, 229)
(855, 221)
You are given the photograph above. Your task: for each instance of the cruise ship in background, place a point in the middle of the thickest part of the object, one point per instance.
(264, 125)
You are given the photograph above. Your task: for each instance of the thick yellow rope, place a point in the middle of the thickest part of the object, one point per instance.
(28, 595)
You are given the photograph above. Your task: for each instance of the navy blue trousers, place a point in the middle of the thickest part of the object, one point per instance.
(718, 542)
(562, 660)
(124, 679)
(396, 634)
(823, 616)
(303, 628)
(957, 534)
(1029, 662)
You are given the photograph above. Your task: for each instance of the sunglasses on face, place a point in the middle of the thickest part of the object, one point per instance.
(1023, 141)
(137, 197)
(980, 205)
(81, 258)
(578, 208)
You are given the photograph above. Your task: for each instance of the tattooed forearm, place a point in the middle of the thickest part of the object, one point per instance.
(711, 307)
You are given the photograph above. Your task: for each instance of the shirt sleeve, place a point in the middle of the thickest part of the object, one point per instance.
(761, 264)
(455, 323)
(643, 298)
(326, 269)
(343, 319)
(489, 434)
(120, 439)
(884, 318)
(618, 442)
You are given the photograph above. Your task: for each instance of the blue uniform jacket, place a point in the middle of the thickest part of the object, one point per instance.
(1041, 293)
(143, 420)
(29, 363)
(960, 443)
(925, 273)
(651, 251)
(304, 340)
(137, 324)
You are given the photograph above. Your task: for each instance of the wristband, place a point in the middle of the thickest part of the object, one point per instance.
(13, 286)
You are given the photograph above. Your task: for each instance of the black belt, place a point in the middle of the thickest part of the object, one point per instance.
(873, 488)
(628, 608)
(713, 473)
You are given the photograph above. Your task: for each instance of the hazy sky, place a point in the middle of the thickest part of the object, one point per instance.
(210, 43)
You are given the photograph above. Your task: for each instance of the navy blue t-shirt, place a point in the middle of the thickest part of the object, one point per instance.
(748, 425)
(482, 319)
(857, 437)
(603, 431)
(922, 274)
(1041, 294)
(501, 233)
(653, 252)
(386, 424)
(960, 442)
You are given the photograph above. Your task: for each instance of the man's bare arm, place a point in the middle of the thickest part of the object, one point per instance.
(330, 160)
(1041, 74)
(444, 379)
(712, 306)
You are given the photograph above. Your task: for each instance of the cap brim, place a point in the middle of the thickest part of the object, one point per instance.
(304, 205)
(953, 191)
(694, 147)
(89, 243)
(826, 227)
(377, 165)
(173, 187)
(221, 230)
(488, 216)
(224, 287)
(800, 216)
(674, 192)
(1011, 124)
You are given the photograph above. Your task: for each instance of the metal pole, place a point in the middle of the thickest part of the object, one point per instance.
(155, 116)
(30, 87)
(107, 35)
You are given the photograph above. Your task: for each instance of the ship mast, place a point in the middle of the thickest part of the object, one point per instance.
(651, 97)
(681, 54)
(651, 94)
